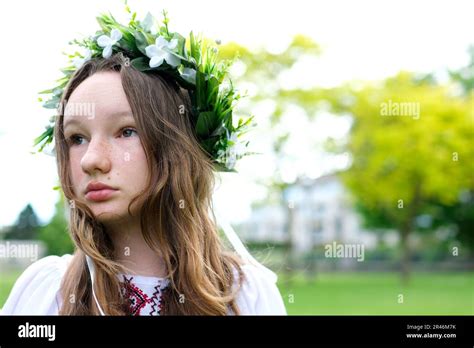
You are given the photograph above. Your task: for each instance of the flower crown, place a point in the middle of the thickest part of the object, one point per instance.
(148, 45)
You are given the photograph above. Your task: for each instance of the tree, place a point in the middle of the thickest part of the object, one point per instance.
(55, 234)
(461, 214)
(465, 75)
(26, 226)
(263, 70)
(460, 217)
(402, 162)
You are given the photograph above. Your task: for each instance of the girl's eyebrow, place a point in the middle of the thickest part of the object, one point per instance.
(73, 119)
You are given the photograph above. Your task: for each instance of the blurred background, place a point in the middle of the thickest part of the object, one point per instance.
(362, 196)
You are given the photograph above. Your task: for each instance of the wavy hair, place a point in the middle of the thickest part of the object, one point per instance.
(199, 268)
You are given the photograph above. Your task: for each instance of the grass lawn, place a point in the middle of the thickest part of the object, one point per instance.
(378, 294)
(361, 293)
(7, 279)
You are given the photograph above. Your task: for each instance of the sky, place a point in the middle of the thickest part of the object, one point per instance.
(361, 40)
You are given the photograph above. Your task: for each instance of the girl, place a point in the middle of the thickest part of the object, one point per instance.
(140, 191)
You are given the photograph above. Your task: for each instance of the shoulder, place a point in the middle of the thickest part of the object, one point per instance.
(36, 290)
(259, 294)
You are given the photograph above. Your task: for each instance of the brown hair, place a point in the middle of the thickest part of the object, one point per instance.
(200, 271)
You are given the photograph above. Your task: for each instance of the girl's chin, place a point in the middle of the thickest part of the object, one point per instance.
(113, 217)
(113, 213)
(108, 216)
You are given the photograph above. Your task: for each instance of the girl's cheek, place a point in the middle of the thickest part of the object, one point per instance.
(75, 165)
(132, 151)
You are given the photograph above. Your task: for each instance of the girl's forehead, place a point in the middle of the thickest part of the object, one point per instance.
(92, 117)
(100, 95)
(105, 87)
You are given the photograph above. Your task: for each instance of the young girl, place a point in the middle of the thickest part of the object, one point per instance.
(140, 191)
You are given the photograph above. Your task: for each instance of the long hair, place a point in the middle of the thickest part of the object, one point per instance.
(174, 217)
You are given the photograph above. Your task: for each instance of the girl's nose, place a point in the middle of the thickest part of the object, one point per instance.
(96, 158)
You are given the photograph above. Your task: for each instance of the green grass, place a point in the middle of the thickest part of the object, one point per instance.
(378, 294)
(7, 280)
(361, 293)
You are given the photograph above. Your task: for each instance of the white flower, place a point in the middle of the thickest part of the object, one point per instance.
(230, 156)
(189, 75)
(79, 61)
(238, 147)
(107, 42)
(161, 51)
(229, 160)
(148, 24)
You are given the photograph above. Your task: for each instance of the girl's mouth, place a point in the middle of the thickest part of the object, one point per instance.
(100, 195)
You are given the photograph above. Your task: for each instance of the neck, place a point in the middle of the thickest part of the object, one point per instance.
(133, 252)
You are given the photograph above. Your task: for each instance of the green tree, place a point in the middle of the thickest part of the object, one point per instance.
(460, 217)
(26, 226)
(465, 75)
(55, 234)
(461, 214)
(397, 161)
(263, 70)
(403, 162)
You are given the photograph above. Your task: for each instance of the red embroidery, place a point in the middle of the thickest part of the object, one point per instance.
(138, 300)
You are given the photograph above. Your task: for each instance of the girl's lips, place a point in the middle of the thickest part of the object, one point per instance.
(100, 195)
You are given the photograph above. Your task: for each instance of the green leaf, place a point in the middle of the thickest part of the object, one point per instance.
(221, 168)
(195, 47)
(51, 104)
(181, 45)
(205, 123)
(104, 22)
(141, 64)
(200, 92)
(226, 119)
(46, 137)
(213, 90)
(219, 130)
(182, 82)
(46, 91)
(127, 44)
(69, 70)
(208, 145)
(141, 41)
(175, 54)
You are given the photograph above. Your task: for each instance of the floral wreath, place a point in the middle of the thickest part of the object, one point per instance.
(148, 45)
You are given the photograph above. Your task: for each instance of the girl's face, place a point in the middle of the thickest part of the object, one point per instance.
(107, 160)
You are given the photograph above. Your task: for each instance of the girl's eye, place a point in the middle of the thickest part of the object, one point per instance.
(128, 132)
(76, 139)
